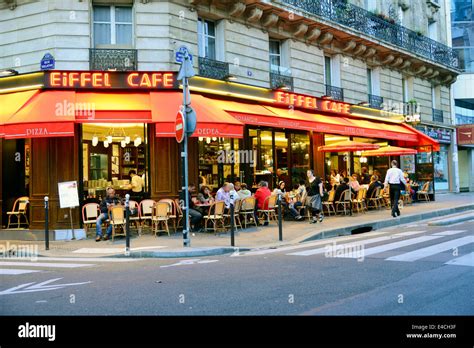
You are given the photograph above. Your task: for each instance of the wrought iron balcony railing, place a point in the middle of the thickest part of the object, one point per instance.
(357, 18)
(213, 69)
(119, 59)
(375, 101)
(438, 116)
(279, 78)
(336, 93)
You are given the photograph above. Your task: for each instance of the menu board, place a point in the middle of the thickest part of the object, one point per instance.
(68, 194)
(407, 163)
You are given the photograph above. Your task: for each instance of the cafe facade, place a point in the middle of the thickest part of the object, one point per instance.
(94, 127)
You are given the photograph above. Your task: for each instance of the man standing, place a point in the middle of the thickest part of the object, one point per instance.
(394, 178)
(136, 185)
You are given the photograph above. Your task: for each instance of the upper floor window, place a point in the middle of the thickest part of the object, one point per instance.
(275, 55)
(369, 82)
(112, 25)
(327, 71)
(206, 38)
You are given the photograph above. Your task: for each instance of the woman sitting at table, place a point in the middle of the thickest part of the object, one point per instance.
(286, 202)
(204, 197)
(354, 183)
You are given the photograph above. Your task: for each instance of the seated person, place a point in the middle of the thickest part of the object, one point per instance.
(341, 188)
(354, 182)
(109, 201)
(286, 202)
(374, 183)
(204, 197)
(224, 195)
(244, 192)
(195, 215)
(260, 196)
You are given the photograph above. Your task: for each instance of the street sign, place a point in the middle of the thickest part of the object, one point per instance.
(47, 62)
(190, 121)
(179, 127)
(180, 53)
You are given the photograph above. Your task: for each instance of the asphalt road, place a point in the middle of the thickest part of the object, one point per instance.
(407, 270)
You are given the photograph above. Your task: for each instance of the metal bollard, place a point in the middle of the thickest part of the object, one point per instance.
(46, 222)
(232, 222)
(280, 222)
(127, 224)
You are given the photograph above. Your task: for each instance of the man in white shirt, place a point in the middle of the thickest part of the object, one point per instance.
(136, 185)
(394, 178)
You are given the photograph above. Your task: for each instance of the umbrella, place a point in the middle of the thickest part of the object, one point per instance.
(390, 151)
(348, 145)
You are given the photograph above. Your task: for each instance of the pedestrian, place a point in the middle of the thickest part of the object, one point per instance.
(395, 179)
(315, 193)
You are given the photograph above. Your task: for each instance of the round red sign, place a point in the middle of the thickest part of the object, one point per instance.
(179, 127)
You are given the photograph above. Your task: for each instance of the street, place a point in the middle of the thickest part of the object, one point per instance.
(404, 270)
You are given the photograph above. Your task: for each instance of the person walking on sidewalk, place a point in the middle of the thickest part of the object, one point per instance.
(315, 193)
(395, 179)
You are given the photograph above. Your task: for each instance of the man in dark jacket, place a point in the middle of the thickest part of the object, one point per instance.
(341, 188)
(109, 201)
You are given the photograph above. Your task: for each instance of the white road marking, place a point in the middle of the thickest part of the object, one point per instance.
(448, 232)
(45, 264)
(466, 260)
(362, 243)
(188, 262)
(74, 259)
(432, 250)
(10, 271)
(32, 287)
(387, 247)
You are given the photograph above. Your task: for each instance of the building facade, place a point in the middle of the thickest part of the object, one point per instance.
(462, 18)
(374, 61)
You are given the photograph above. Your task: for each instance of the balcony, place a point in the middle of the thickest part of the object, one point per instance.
(213, 69)
(335, 93)
(112, 59)
(372, 25)
(375, 101)
(281, 78)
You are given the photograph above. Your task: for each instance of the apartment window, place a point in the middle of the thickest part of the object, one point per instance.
(112, 25)
(405, 90)
(327, 71)
(275, 55)
(436, 96)
(206, 38)
(369, 82)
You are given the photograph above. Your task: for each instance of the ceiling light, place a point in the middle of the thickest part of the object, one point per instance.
(127, 139)
(109, 138)
(123, 143)
(95, 140)
(106, 143)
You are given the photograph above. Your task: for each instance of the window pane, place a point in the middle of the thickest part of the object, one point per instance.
(123, 14)
(123, 34)
(101, 14)
(102, 34)
(211, 48)
(327, 69)
(210, 29)
(274, 47)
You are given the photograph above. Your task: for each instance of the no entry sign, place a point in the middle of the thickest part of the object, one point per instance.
(179, 127)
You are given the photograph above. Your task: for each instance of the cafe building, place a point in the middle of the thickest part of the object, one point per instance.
(95, 127)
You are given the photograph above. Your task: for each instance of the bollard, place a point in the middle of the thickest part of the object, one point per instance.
(46, 222)
(127, 224)
(232, 222)
(280, 222)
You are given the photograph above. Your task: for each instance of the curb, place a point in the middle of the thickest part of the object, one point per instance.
(343, 231)
(451, 221)
(179, 253)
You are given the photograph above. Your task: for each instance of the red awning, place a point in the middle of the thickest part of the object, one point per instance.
(212, 121)
(44, 114)
(10, 103)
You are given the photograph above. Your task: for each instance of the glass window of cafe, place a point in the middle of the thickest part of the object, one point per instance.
(280, 155)
(337, 161)
(109, 153)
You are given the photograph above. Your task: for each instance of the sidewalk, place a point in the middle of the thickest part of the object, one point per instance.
(203, 244)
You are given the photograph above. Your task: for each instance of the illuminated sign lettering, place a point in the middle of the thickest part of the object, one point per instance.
(110, 80)
(312, 103)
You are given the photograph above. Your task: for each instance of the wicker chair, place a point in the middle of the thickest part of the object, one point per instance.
(117, 220)
(19, 209)
(424, 192)
(269, 212)
(237, 207)
(247, 209)
(90, 213)
(344, 201)
(160, 217)
(329, 204)
(215, 215)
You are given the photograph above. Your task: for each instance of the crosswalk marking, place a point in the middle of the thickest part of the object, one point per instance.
(45, 264)
(466, 260)
(449, 232)
(352, 245)
(11, 271)
(432, 250)
(387, 247)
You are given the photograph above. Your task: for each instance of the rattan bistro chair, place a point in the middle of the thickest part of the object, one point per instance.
(215, 215)
(373, 200)
(117, 220)
(237, 207)
(329, 204)
(344, 202)
(269, 212)
(424, 192)
(90, 213)
(159, 217)
(359, 201)
(146, 211)
(135, 218)
(19, 209)
(172, 211)
(247, 209)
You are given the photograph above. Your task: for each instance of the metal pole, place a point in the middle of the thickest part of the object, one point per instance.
(349, 177)
(127, 224)
(72, 225)
(232, 222)
(280, 222)
(186, 240)
(46, 222)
